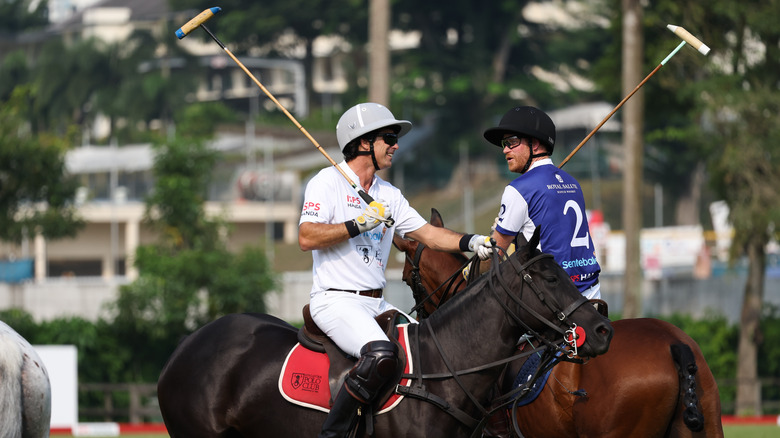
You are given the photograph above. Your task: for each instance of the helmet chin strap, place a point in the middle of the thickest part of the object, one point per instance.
(370, 152)
(532, 156)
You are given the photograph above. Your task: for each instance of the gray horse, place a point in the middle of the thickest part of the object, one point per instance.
(25, 391)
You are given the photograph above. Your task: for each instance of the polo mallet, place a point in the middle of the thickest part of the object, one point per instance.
(205, 16)
(686, 38)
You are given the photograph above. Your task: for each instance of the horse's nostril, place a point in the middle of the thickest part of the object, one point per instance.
(604, 330)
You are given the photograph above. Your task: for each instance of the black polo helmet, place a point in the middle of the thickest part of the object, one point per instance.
(524, 121)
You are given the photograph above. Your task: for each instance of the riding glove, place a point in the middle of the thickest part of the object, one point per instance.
(482, 245)
(376, 212)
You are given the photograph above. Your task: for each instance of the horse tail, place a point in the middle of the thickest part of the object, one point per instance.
(11, 361)
(686, 369)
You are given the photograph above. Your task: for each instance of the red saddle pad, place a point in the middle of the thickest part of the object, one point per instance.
(304, 376)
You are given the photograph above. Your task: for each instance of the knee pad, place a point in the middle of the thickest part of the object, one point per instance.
(377, 364)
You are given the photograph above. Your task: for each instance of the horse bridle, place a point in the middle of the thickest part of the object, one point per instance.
(421, 296)
(548, 300)
(419, 293)
(552, 353)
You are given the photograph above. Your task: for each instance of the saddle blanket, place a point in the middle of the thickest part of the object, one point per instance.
(304, 376)
(524, 375)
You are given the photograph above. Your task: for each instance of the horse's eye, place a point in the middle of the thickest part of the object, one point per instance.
(551, 279)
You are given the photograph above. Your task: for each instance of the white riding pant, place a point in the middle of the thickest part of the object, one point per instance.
(348, 318)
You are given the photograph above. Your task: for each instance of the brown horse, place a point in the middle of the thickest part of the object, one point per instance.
(223, 381)
(653, 381)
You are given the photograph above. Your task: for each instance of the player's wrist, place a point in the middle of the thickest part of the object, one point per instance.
(352, 228)
(464, 242)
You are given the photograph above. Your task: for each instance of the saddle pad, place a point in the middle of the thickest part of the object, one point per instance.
(304, 376)
(524, 375)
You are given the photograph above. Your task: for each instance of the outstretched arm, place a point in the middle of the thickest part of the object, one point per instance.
(443, 239)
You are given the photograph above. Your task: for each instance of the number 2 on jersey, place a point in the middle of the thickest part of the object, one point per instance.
(576, 241)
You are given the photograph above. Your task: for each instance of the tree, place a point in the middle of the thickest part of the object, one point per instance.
(476, 60)
(17, 16)
(746, 173)
(188, 277)
(632, 139)
(742, 102)
(282, 28)
(36, 193)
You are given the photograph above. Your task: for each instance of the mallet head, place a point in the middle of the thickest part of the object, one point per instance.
(688, 38)
(197, 21)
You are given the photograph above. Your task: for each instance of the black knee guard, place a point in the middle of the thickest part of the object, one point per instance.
(378, 362)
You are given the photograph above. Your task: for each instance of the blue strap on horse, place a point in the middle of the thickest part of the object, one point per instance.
(524, 377)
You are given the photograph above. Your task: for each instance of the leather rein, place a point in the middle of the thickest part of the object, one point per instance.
(420, 294)
(552, 351)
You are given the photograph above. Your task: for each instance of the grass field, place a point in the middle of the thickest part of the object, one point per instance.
(730, 432)
(769, 431)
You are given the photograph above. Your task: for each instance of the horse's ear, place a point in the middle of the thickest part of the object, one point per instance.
(436, 219)
(520, 241)
(400, 243)
(534, 242)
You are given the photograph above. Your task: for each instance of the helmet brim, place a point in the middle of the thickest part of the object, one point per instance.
(404, 126)
(495, 135)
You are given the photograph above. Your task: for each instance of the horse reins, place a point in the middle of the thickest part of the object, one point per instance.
(552, 304)
(419, 293)
(550, 359)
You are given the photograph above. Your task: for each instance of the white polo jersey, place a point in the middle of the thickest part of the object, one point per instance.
(358, 263)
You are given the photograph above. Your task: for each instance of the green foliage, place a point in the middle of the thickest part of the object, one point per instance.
(717, 339)
(768, 352)
(17, 16)
(101, 355)
(247, 24)
(35, 192)
(744, 169)
(13, 72)
(200, 120)
(189, 277)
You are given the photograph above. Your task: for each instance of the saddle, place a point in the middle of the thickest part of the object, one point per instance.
(312, 338)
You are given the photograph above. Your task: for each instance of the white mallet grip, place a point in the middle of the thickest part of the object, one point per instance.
(688, 38)
(197, 21)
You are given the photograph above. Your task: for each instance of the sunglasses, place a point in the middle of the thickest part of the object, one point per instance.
(390, 138)
(511, 142)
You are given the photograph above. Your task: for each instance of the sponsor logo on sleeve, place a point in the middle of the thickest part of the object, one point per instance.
(311, 209)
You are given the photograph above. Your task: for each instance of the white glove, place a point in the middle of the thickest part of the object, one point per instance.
(482, 245)
(376, 212)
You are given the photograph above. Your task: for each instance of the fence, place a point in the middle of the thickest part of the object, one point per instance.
(119, 402)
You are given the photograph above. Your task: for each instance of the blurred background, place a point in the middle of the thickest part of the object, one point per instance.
(148, 186)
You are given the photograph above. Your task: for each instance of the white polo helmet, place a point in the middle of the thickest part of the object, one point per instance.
(364, 118)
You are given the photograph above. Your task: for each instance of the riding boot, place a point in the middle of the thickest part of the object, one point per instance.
(342, 417)
(498, 425)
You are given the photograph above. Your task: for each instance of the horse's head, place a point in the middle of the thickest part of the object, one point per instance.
(434, 276)
(547, 299)
(431, 288)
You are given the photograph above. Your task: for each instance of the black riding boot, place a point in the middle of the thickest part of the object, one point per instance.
(377, 363)
(342, 416)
